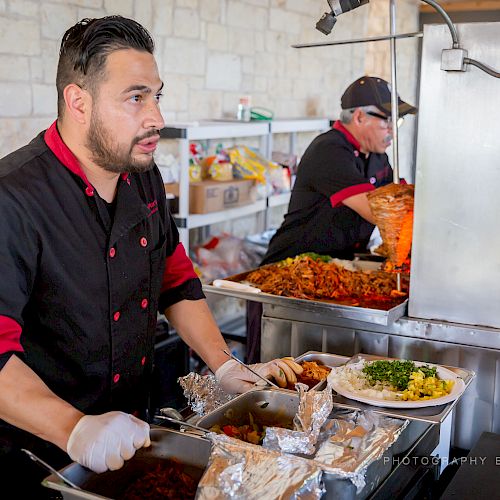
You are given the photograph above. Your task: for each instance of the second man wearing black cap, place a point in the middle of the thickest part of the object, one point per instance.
(329, 212)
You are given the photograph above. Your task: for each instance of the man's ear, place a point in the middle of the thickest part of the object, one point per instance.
(78, 103)
(358, 116)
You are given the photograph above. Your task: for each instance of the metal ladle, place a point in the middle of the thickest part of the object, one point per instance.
(50, 468)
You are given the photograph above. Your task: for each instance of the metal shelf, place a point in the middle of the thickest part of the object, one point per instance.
(199, 220)
(278, 200)
(298, 125)
(214, 130)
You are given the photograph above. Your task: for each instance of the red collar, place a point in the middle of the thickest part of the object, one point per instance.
(338, 126)
(67, 158)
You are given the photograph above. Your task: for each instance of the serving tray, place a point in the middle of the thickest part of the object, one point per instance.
(382, 314)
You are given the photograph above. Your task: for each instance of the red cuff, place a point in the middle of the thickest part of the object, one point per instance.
(10, 335)
(338, 198)
(178, 269)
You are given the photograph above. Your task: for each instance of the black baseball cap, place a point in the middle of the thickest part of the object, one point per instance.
(373, 91)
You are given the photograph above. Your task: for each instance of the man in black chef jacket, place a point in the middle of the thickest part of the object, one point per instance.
(88, 254)
(329, 212)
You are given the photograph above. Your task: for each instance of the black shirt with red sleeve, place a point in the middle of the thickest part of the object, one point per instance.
(81, 284)
(331, 170)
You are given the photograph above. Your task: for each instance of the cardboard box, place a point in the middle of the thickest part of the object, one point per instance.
(212, 196)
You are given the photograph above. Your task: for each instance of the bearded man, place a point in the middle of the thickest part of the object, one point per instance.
(88, 254)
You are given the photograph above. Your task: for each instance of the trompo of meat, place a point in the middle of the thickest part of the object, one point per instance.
(392, 207)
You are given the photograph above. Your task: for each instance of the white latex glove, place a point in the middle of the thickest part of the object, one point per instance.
(102, 442)
(235, 378)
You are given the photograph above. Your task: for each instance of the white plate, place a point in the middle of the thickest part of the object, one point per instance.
(443, 373)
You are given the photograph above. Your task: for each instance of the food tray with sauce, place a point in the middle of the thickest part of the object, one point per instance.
(377, 313)
(190, 450)
(268, 407)
(322, 359)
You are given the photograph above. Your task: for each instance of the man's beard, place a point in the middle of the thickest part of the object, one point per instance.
(113, 157)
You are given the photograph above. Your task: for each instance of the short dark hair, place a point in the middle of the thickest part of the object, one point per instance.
(86, 46)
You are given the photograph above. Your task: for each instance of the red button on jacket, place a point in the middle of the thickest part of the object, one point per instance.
(116, 316)
(144, 303)
(112, 252)
(144, 242)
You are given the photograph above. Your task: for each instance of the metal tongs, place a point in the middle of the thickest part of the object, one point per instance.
(50, 469)
(175, 417)
(267, 381)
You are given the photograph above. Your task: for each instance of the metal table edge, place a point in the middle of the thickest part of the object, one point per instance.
(364, 314)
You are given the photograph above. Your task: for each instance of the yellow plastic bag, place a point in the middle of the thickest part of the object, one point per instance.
(221, 171)
(194, 172)
(247, 164)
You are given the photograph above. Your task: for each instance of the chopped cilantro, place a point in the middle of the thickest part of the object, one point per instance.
(397, 373)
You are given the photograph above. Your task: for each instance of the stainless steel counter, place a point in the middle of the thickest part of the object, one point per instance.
(291, 331)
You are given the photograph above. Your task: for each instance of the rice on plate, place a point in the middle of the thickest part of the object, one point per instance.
(392, 380)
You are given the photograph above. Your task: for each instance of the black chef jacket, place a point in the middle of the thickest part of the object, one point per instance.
(79, 291)
(332, 169)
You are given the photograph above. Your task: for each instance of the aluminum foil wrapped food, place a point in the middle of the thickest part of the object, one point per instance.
(352, 440)
(314, 408)
(203, 393)
(392, 208)
(243, 470)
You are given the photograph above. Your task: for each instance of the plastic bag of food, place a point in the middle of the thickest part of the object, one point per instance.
(247, 164)
(222, 256)
(194, 172)
(195, 162)
(221, 171)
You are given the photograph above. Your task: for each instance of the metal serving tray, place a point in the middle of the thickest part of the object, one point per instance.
(269, 406)
(431, 414)
(322, 358)
(281, 405)
(191, 450)
(365, 314)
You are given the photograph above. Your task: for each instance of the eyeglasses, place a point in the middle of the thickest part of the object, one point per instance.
(387, 120)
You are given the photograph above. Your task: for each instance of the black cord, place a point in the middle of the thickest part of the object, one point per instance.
(482, 66)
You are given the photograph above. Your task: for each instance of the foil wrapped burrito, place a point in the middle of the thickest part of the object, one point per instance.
(242, 470)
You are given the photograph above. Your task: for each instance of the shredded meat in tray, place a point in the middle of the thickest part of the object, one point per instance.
(306, 278)
(312, 375)
(167, 480)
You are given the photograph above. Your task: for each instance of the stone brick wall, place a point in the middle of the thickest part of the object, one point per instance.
(210, 52)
